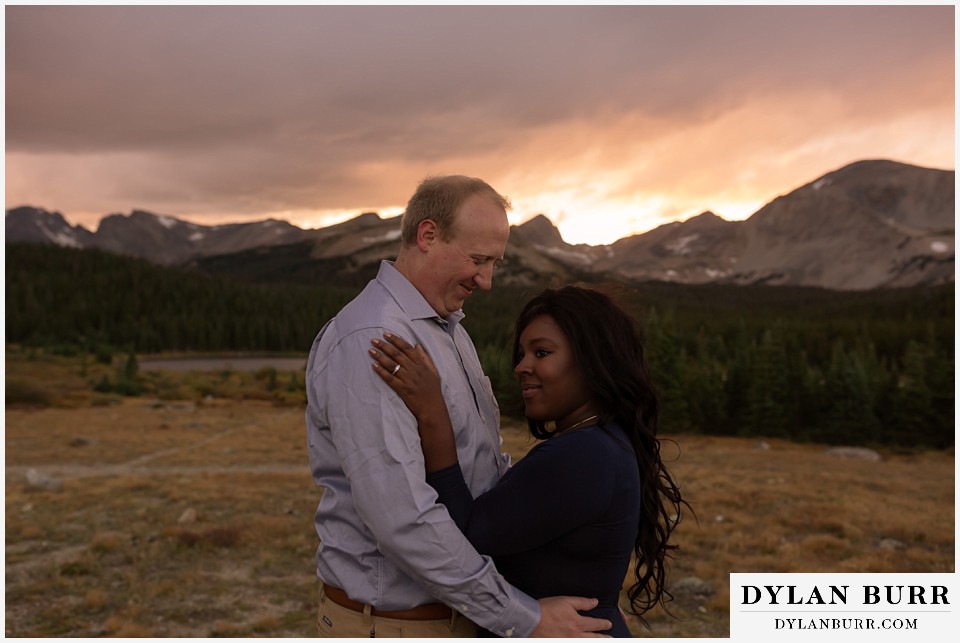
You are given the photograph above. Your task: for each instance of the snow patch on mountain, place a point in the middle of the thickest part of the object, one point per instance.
(565, 254)
(391, 235)
(682, 245)
(717, 274)
(59, 237)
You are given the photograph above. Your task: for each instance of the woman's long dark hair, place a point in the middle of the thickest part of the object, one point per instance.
(608, 349)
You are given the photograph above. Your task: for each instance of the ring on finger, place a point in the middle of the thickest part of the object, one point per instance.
(395, 369)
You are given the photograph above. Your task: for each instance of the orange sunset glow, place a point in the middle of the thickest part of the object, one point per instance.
(609, 120)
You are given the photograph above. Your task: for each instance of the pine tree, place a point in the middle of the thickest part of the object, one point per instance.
(912, 419)
(767, 392)
(704, 387)
(850, 416)
(668, 364)
(737, 380)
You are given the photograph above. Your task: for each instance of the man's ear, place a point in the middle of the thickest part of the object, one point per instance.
(427, 234)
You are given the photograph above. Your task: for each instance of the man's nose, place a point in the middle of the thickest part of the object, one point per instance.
(484, 277)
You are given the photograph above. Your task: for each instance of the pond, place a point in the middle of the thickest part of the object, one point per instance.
(205, 364)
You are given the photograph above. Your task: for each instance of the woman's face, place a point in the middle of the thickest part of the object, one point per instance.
(552, 386)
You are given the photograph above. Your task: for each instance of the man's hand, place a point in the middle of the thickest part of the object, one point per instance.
(559, 619)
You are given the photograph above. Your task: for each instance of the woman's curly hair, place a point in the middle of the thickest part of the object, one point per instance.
(608, 348)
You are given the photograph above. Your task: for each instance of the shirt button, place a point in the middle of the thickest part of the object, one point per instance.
(509, 632)
(464, 608)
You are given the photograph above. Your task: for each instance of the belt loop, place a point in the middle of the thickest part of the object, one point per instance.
(367, 618)
(453, 619)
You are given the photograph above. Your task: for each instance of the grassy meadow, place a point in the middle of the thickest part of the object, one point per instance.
(187, 510)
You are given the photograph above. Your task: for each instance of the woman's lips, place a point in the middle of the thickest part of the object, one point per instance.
(528, 390)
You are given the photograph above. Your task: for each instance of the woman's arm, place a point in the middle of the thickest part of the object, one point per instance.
(556, 487)
(418, 385)
(410, 372)
(417, 382)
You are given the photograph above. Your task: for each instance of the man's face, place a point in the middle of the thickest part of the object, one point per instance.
(466, 262)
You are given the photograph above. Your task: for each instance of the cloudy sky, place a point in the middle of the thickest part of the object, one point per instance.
(609, 120)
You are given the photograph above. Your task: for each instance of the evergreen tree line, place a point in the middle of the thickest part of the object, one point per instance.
(799, 363)
(796, 363)
(88, 300)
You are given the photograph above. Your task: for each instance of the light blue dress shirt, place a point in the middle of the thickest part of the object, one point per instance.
(383, 537)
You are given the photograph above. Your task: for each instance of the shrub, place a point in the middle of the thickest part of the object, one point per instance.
(21, 392)
(216, 537)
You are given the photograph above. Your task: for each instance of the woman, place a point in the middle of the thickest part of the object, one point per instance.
(567, 517)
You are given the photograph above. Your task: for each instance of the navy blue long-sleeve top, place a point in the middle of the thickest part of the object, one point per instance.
(562, 521)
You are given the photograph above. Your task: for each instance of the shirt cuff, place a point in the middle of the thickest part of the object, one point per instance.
(520, 619)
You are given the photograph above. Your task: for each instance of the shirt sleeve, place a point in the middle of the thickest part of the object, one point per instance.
(561, 484)
(379, 447)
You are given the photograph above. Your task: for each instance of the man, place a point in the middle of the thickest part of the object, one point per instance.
(388, 552)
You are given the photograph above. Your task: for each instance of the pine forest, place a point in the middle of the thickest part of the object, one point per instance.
(865, 368)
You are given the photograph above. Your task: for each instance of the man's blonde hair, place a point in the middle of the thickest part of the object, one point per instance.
(439, 198)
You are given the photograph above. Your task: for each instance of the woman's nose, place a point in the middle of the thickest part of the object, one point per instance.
(522, 366)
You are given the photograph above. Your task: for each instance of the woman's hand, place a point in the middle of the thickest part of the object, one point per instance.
(416, 381)
(411, 373)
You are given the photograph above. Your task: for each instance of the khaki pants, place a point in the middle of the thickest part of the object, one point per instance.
(336, 621)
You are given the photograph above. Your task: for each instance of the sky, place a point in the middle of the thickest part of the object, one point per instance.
(609, 120)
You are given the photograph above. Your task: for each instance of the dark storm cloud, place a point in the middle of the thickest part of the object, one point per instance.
(305, 106)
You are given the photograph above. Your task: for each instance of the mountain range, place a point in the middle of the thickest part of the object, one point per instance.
(871, 224)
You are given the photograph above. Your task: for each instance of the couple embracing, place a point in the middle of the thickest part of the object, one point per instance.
(426, 530)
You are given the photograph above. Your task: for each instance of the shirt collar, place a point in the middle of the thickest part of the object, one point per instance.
(410, 300)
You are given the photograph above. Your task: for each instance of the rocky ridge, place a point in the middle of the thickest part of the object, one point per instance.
(868, 225)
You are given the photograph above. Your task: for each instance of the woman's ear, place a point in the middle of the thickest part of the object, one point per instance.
(427, 234)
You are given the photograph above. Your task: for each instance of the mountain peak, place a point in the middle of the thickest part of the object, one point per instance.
(367, 218)
(36, 225)
(540, 230)
(705, 219)
(29, 210)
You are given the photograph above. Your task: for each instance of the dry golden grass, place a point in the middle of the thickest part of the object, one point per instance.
(794, 508)
(108, 554)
